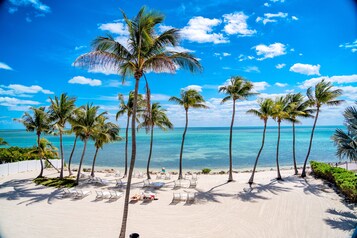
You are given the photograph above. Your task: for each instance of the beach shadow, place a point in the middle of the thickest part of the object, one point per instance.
(210, 195)
(345, 221)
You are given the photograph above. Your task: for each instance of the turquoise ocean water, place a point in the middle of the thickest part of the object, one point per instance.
(204, 147)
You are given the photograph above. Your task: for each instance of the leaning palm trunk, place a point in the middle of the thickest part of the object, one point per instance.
(230, 176)
(81, 161)
(48, 161)
(94, 159)
(303, 173)
(182, 144)
(251, 180)
(132, 161)
(126, 147)
(40, 156)
(70, 157)
(294, 157)
(277, 153)
(62, 155)
(150, 152)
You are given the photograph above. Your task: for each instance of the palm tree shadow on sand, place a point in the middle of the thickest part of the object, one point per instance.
(210, 195)
(342, 220)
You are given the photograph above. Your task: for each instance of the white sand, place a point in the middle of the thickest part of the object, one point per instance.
(292, 208)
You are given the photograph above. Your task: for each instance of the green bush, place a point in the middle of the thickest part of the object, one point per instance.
(206, 171)
(345, 181)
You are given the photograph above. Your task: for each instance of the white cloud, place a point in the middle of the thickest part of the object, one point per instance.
(83, 80)
(251, 69)
(80, 47)
(15, 104)
(226, 54)
(118, 28)
(281, 85)
(260, 86)
(267, 4)
(242, 57)
(307, 69)
(199, 29)
(22, 90)
(334, 79)
(278, 1)
(179, 49)
(159, 97)
(237, 24)
(34, 3)
(270, 51)
(271, 17)
(280, 66)
(194, 87)
(294, 18)
(5, 66)
(352, 46)
(349, 92)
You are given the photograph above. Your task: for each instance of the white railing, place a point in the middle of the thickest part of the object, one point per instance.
(23, 166)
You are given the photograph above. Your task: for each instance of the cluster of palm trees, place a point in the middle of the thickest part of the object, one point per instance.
(86, 123)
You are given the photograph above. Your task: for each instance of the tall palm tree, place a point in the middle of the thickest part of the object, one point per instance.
(189, 99)
(73, 120)
(263, 112)
(46, 150)
(298, 107)
(106, 132)
(237, 89)
(127, 109)
(60, 111)
(145, 51)
(158, 118)
(3, 142)
(347, 142)
(40, 123)
(324, 94)
(279, 113)
(87, 124)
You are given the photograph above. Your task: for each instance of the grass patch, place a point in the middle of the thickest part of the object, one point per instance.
(55, 182)
(345, 181)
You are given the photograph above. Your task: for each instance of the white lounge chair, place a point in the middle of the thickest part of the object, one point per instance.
(167, 176)
(81, 193)
(102, 181)
(119, 183)
(115, 194)
(147, 183)
(178, 183)
(68, 192)
(176, 197)
(159, 176)
(102, 194)
(193, 183)
(191, 197)
(194, 177)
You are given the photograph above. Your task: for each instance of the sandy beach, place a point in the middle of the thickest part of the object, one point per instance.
(294, 207)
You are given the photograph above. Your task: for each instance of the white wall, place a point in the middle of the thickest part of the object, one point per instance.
(22, 166)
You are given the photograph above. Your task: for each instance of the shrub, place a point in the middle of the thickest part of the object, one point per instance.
(345, 181)
(206, 171)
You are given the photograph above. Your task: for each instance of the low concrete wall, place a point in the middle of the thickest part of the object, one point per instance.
(23, 166)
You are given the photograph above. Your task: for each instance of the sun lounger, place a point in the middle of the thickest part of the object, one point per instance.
(68, 192)
(147, 183)
(119, 183)
(176, 197)
(159, 176)
(81, 193)
(102, 181)
(167, 176)
(115, 194)
(102, 194)
(149, 196)
(178, 183)
(136, 197)
(191, 197)
(193, 183)
(194, 177)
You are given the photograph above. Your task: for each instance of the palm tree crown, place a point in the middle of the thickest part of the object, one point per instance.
(237, 89)
(189, 99)
(265, 109)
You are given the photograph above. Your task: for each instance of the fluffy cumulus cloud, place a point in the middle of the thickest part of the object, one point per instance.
(270, 51)
(294, 18)
(236, 23)
(352, 46)
(83, 80)
(36, 4)
(200, 29)
(242, 57)
(280, 66)
(15, 104)
(342, 79)
(5, 66)
(271, 17)
(250, 69)
(267, 4)
(307, 69)
(179, 49)
(260, 86)
(22, 90)
(118, 28)
(281, 85)
(194, 87)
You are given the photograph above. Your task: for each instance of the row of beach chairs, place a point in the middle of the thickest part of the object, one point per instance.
(75, 193)
(186, 197)
(110, 194)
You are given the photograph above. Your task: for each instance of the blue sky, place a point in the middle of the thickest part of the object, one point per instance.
(281, 45)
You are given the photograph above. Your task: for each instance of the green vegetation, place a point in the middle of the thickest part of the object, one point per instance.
(346, 181)
(55, 182)
(206, 171)
(15, 154)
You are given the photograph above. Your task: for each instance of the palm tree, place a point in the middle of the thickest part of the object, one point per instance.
(145, 51)
(237, 89)
(324, 94)
(87, 125)
(157, 118)
(279, 113)
(73, 120)
(60, 111)
(45, 150)
(3, 142)
(40, 123)
(264, 112)
(106, 132)
(297, 107)
(190, 98)
(127, 109)
(347, 142)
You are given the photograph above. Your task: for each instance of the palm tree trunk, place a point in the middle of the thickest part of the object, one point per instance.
(150, 152)
(251, 180)
(81, 161)
(182, 144)
(277, 153)
(132, 161)
(62, 156)
(70, 158)
(230, 176)
(303, 173)
(40, 156)
(48, 161)
(294, 157)
(126, 147)
(94, 159)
